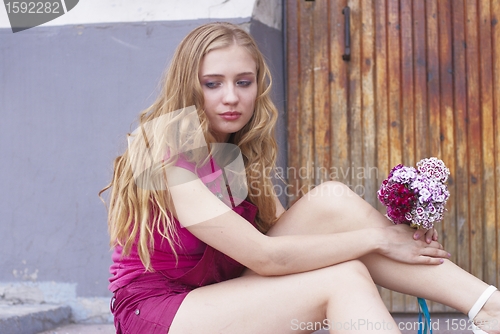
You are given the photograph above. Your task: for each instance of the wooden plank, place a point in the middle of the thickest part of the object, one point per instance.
(368, 103)
(407, 84)
(422, 135)
(393, 41)
(460, 109)
(488, 145)
(433, 93)
(321, 93)
(394, 104)
(449, 237)
(473, 124)
(407, 101)
(339, 124)
(433, 98)
(381, 107)
(381, 93)
(306, 134)
(293, 100)
(354, 107)
(495, 39)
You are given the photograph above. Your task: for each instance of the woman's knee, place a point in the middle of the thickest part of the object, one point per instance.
(333, 198)
(333, 192)
(353, 268)
(348, 272)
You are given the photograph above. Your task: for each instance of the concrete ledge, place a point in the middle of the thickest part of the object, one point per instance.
(91, 310)
(32, 319)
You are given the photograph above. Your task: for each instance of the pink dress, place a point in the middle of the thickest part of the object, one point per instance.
(146, 302)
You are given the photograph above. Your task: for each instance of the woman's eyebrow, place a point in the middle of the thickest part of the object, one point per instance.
(246, 73)
(212, 75)
(221, 75)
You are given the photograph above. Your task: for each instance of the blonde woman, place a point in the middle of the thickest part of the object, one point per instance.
(192, 256)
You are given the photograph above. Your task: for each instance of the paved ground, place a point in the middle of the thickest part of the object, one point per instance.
(83, 329)
(442, 324)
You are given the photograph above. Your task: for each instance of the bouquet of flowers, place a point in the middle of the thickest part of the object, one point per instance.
(416, 196)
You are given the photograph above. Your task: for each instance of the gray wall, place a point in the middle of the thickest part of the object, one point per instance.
(270, 42)
(68, 96)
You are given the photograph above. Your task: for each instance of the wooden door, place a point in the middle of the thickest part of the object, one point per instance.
(423, 80)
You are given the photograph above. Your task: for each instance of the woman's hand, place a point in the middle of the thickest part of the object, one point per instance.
(401, 245)
(430, 235)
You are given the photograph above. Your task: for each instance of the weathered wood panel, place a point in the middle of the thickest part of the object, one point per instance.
(423, 80)
(368, 122)
(293, 99)
(490, 272)
(495, 45)
(407, 113)
(355, 91)
(420, 68)
(306, 93)
(449, 236)
(433, 107)
(381, 103)
(461, 172)
(473, 123)
(338, 94)
(321, 100)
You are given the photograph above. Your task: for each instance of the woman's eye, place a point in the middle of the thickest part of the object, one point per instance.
(212, 84)
(244, 83)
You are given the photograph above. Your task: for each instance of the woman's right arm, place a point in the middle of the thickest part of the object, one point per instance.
(210, 220)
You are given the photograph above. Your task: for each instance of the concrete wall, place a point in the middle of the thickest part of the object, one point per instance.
(70, 90)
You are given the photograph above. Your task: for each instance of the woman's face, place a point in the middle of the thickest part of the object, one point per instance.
(228, 77)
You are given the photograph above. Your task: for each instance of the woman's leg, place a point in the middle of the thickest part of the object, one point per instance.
(344, 294)
(332, 207)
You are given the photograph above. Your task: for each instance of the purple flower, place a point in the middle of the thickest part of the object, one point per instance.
(395, 168)
(424, 195)
(404, 175)
(433, 168)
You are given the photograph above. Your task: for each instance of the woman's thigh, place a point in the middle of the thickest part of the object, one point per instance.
(280, 304)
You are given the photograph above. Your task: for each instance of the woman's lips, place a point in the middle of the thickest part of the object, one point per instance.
(230, 115)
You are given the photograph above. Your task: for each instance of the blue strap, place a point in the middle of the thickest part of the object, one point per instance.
(424, 310)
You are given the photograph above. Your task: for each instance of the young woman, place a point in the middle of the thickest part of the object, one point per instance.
(192, 257)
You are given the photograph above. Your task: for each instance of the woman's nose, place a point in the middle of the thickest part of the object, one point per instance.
(230, 95)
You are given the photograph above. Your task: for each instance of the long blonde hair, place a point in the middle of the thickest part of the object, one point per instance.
(135, 213)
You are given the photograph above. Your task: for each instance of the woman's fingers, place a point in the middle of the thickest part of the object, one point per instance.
(435, 235)
(430, 235)
(432, 253)
(434, 244)
(435, 252)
